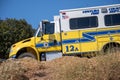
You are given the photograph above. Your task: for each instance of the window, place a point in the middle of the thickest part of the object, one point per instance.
(85, 22)
(49, 28)
(113, 19)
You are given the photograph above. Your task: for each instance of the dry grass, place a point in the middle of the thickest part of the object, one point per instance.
(22, 69)
(99, 68)
(103, 67)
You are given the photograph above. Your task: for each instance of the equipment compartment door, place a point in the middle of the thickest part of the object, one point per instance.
(70, 42)
(88, 42)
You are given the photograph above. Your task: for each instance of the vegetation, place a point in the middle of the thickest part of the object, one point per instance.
(102, 67)
(99, 68)
(12, 31)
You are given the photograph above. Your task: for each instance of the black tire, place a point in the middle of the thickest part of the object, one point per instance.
(112, 50)
(23, 55)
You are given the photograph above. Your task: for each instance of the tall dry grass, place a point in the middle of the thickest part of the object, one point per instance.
(102, 67)
(105, 67)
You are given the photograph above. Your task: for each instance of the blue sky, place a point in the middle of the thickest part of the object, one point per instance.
(33, 11)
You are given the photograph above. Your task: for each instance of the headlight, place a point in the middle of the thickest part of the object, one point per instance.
(12, 47)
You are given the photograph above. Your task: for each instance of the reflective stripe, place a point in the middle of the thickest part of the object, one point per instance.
(87, 37)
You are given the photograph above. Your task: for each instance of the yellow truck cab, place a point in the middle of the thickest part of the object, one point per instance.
(73, 32)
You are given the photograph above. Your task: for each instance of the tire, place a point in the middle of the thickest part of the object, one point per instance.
(23, 55)
(112, 50)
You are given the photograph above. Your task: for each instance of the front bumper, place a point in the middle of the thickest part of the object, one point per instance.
(12, 56)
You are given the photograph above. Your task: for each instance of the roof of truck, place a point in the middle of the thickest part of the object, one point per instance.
(96, 7)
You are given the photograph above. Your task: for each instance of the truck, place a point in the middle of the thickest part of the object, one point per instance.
(81, 31)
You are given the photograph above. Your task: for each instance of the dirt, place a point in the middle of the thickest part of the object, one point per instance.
(65, 68)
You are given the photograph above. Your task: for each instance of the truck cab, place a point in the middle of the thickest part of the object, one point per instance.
(45, 45)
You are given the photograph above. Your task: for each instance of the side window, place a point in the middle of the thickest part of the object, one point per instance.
(49, 28)
(111, 20)
(84, 22)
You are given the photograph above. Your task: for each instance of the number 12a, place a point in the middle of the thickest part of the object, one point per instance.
(70, 48)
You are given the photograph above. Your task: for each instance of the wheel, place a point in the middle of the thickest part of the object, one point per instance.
(23, 55)
(112, 49)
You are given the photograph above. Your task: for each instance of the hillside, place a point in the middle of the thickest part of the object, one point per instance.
(105, 67)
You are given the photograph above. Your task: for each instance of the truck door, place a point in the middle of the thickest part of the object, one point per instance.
(70, 42)
(49, 41)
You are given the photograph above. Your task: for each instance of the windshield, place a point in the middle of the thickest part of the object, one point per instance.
(38, 32)
(49, 28)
